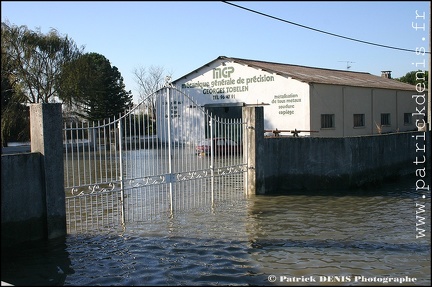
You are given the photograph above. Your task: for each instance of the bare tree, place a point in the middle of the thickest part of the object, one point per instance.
(149, 81)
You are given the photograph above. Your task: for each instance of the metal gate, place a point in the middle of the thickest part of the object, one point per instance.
(166, 155)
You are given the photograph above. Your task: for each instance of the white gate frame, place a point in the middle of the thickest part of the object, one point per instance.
(115, 172)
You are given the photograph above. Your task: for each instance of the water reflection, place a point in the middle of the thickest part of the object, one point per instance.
(41, 263)
(243, 241)
(317, 236)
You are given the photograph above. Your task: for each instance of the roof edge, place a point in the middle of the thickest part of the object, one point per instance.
(278, 63)
(256, 64)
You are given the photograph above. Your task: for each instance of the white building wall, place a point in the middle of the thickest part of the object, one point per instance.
(286, 100)
(398, 103)
(357, 101)
(344, 102)
(326, 99)
(187, 119)
(407, 104)
(384, 101)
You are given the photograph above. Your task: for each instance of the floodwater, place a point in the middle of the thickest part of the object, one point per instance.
(370, 237)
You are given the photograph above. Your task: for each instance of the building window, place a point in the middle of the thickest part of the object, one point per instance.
(385, 119)
(327, 121)
(359, 120)
(407, 119)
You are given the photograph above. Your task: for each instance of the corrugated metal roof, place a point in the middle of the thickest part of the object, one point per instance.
(325, 76)
(320, 75)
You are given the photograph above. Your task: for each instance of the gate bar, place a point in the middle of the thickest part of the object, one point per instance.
(121, 172)
(212, 159)
(169, 151)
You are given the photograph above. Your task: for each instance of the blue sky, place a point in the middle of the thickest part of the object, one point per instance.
(182, 36)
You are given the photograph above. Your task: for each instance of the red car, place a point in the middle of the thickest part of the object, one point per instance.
(222, 146)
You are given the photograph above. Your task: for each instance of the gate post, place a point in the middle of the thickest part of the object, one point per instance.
(46, 138)
(253, 149)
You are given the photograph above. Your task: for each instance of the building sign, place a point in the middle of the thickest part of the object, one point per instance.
(224, 85)
(287, 98)
(286, 103)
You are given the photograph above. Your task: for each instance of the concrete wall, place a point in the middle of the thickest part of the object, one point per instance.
(336, 163)
(22, 198)
(287, 164)
(32, 187)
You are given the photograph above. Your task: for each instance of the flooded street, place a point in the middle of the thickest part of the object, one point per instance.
(290, 239)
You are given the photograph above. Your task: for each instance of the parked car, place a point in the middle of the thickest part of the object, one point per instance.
(222, 146)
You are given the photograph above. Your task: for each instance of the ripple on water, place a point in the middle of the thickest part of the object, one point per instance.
(241, 244)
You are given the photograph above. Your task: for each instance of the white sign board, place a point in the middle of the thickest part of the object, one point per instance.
(225, 83)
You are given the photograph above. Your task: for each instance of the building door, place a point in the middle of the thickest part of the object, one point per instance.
(231, 111)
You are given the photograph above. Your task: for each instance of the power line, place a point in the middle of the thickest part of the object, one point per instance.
(321, 31)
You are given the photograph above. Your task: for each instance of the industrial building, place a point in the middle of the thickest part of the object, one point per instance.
(319, 102)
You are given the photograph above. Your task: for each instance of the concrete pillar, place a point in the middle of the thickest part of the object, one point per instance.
(254, 149)
(46, 138)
